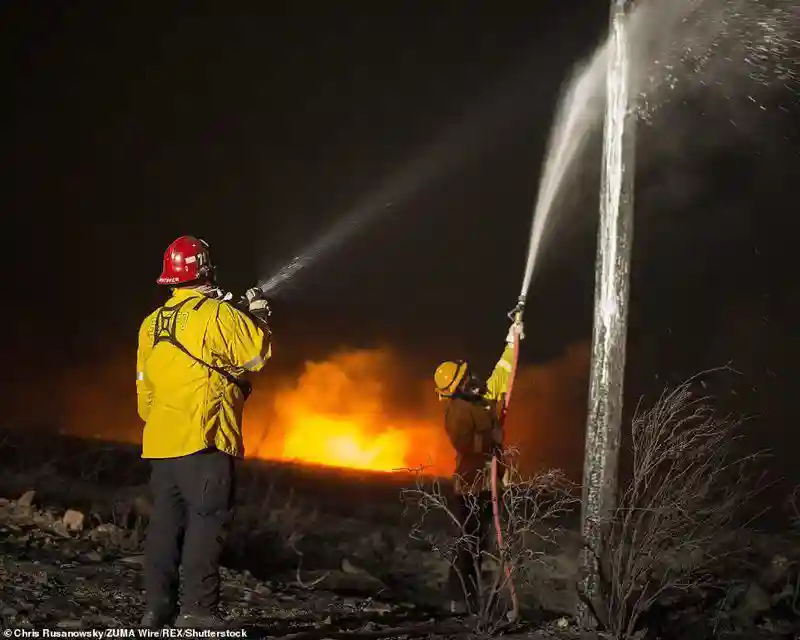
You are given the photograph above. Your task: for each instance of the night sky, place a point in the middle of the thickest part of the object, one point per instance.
(256, 125)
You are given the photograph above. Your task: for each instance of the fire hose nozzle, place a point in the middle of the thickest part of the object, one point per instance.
(515, 315)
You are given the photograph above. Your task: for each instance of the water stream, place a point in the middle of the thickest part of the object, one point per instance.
(726, 47)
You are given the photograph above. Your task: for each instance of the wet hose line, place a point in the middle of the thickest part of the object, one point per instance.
(513, 615)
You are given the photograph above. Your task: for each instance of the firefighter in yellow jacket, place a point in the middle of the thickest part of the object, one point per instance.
(472, 410)
(194, 356)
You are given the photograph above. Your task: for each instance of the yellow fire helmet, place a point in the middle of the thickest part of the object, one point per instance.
(448, 376)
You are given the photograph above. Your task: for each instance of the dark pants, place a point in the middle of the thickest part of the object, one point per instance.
(192, 508)
(475, 515)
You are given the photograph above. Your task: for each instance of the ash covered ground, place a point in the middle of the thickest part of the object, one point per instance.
(314, 553)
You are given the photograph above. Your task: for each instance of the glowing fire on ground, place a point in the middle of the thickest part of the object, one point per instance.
(342, 412)
(344, 443)
(337, 413)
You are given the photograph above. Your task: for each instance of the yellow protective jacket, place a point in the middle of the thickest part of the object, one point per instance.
(473, 427)
(187, 406)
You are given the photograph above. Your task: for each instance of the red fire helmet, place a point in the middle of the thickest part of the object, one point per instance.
(186, 260)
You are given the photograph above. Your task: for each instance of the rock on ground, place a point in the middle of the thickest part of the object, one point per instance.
(55, 574)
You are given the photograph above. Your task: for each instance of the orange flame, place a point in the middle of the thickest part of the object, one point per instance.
(344, 412)
(344, 443)
(337, 414)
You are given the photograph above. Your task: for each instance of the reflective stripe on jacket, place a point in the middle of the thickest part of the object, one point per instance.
(186, 405)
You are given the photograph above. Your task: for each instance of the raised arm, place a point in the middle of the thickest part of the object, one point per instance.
(245, 342)
(497, 384)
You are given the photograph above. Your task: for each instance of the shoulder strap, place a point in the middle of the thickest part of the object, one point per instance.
(165, 330)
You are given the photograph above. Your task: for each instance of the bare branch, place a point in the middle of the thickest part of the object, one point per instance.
(292, 544)
(678, 514)
(532, 511)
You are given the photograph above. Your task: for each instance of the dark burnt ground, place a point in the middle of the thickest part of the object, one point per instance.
(314, 552)
(53, 578)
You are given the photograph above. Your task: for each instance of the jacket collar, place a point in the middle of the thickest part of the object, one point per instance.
(184, 293)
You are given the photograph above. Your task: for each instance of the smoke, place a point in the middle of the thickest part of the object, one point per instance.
(99, 401)
(719, 90)
(357, 408)
(547, 415)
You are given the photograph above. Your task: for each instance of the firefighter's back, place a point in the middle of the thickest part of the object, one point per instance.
(186, 395)
(470, 425)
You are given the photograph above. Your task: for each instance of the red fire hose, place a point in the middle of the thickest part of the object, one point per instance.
(513, 615)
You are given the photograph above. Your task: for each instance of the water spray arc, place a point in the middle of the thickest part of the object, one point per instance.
(728, 47)
(577, 115)
(506, 106)
(615, 234)
(478, 127)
